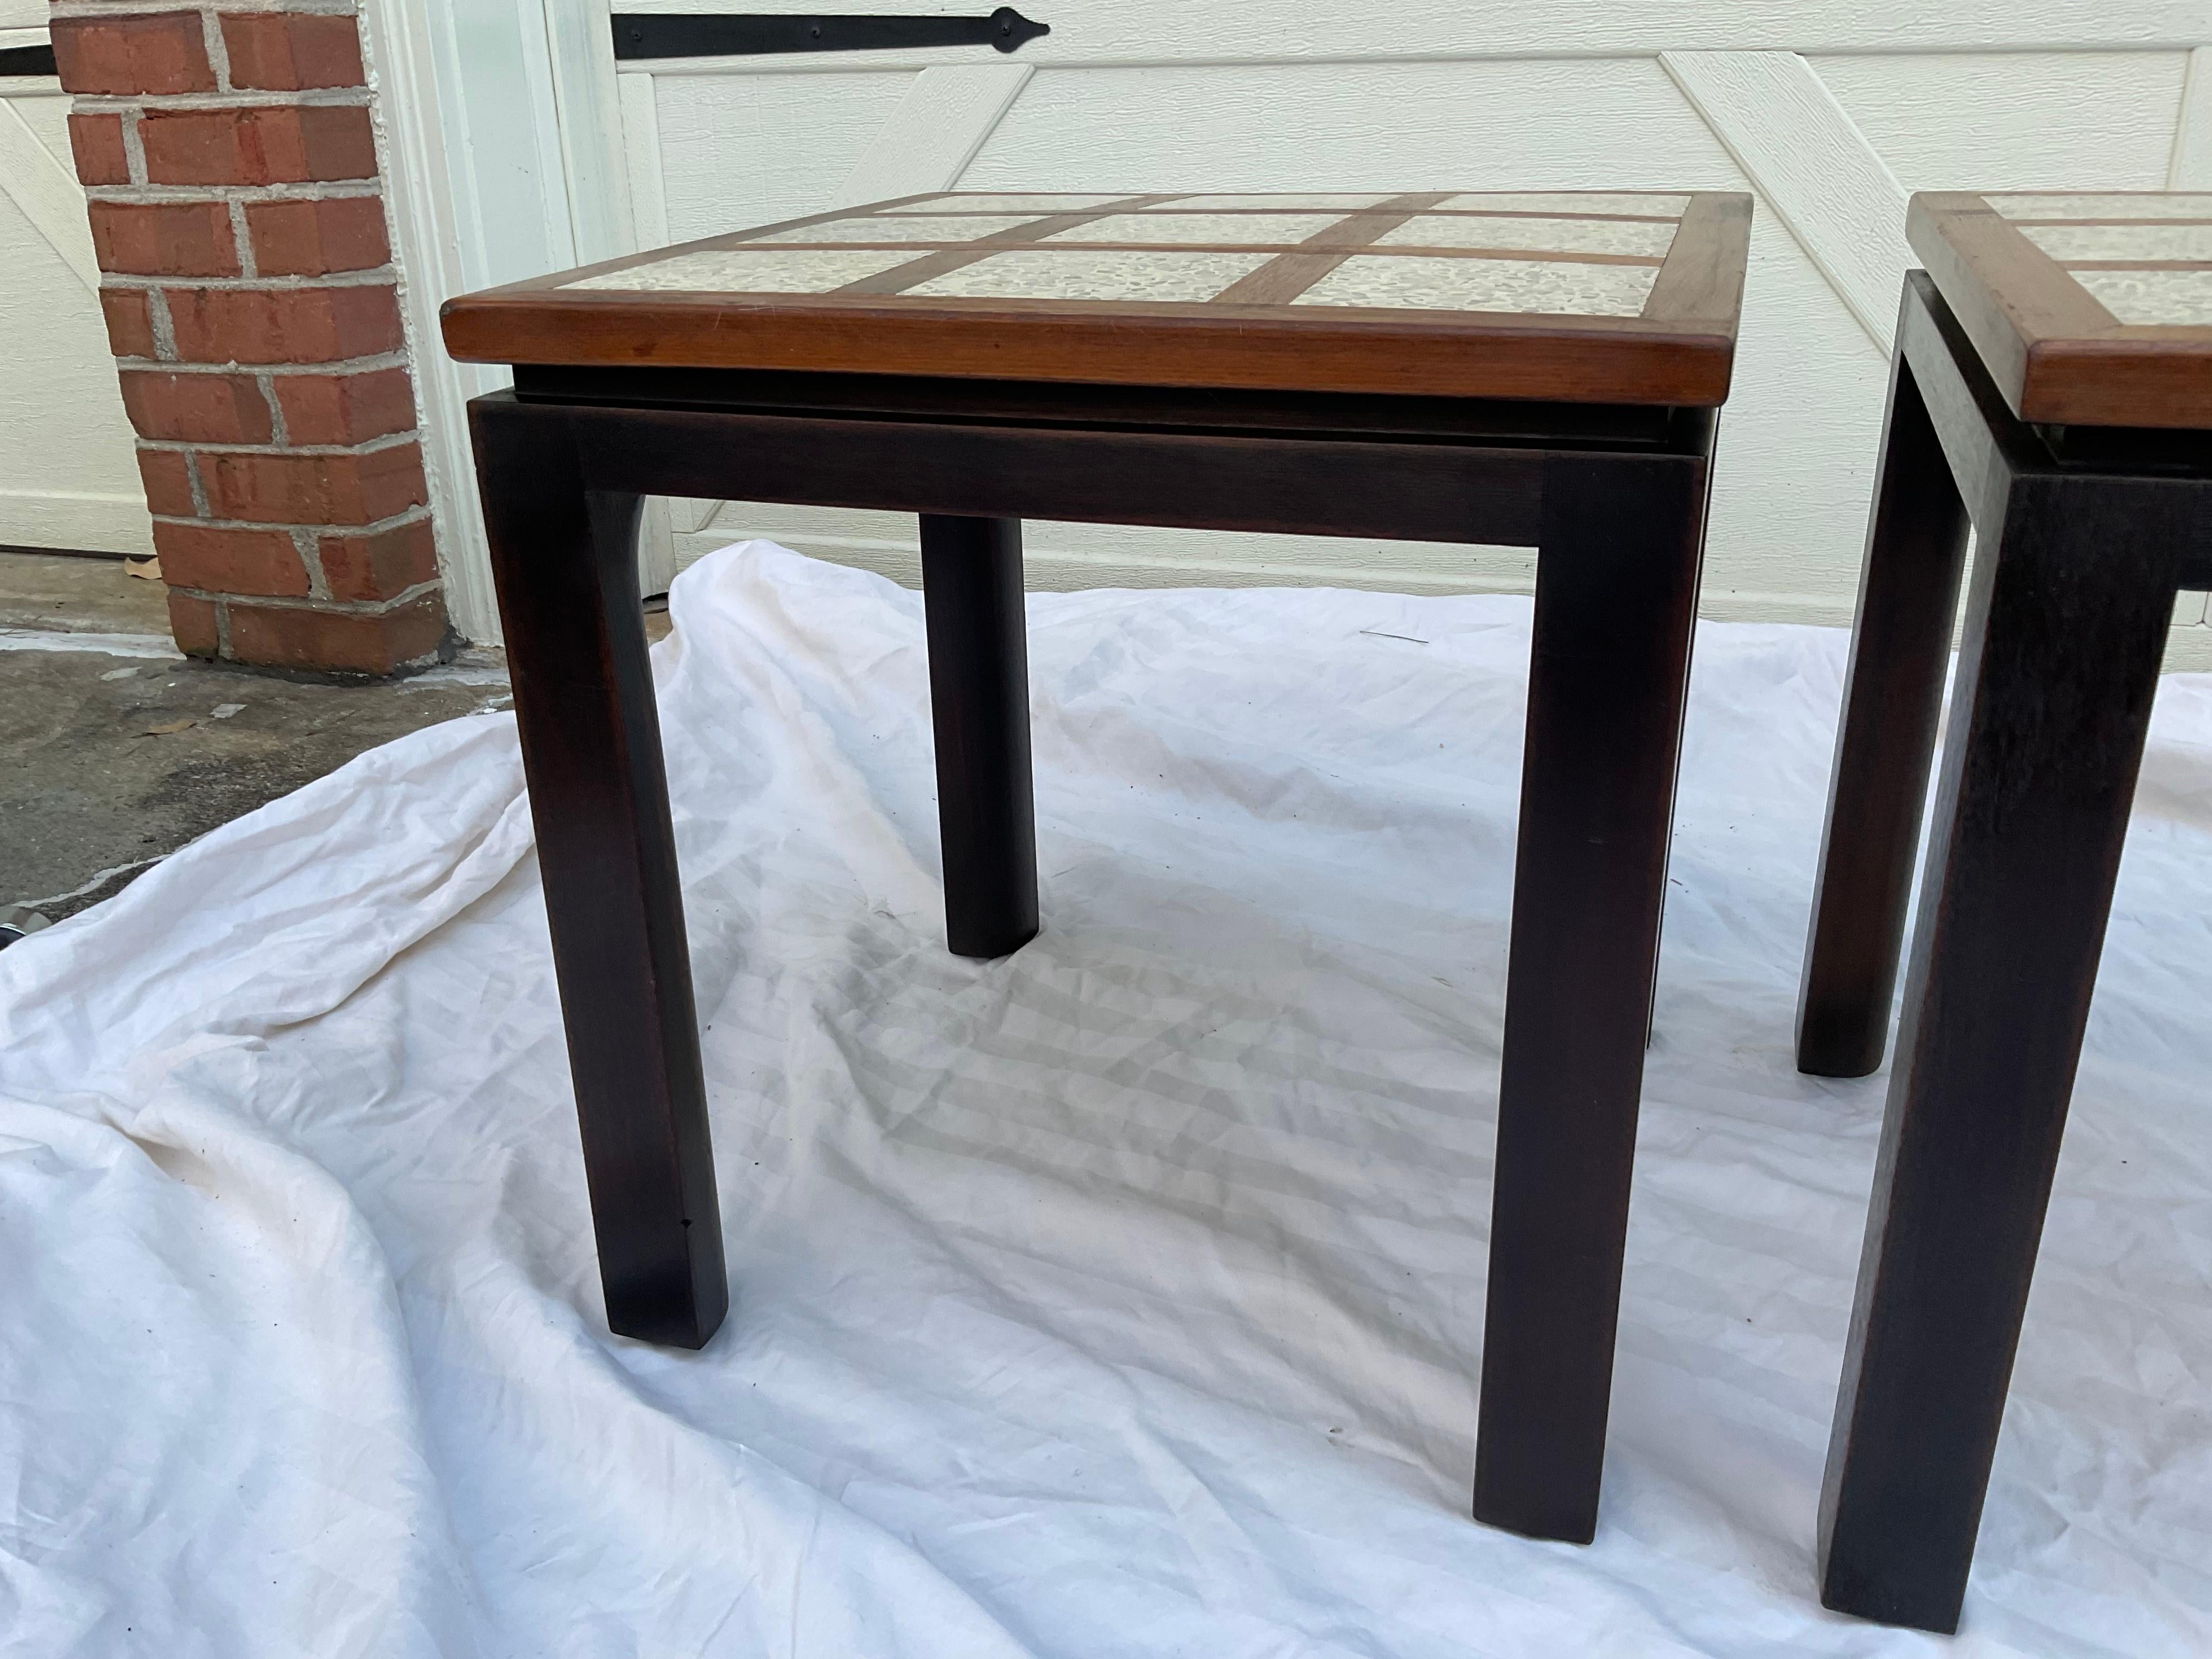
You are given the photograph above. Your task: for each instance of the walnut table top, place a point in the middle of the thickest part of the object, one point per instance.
(2088, 310)
(1625, 297)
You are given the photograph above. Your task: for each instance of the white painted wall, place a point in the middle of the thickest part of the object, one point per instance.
(1829, 112)
(68, 475)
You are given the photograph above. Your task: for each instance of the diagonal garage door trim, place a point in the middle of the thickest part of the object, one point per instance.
(1812, 165)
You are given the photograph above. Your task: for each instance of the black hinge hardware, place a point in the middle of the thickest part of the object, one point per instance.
(691, 34)
(27, 60)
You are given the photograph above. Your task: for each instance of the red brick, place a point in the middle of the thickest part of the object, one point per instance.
(357, 489)
(130, 321)
(224, 560)
(380, 564)
(220, 409)
(165, 239)
(361, 643)
(284, 53)
(193, 624)
(168, 480)
(286, 143)
(312, 239)
(345, 409)
(162, 53)
(96, 140)
(283, 326)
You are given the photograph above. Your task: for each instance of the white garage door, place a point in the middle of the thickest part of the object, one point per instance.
(1830, 113)
(68, 475)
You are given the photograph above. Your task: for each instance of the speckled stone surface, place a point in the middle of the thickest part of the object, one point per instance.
(2153, 298)
(2173, 206)
(902, 228)
(1571, 202)
(2129, 242)
(1288, 202)
(1106, 274)
(1285, 230)
(1507, 285)
(750, 270)
(1010, 204)
(1545, 236)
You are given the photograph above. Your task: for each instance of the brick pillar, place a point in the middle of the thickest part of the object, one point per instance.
(253, 310)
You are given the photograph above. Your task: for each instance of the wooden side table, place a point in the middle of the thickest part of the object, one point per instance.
(1529, 369)
(2053, 385)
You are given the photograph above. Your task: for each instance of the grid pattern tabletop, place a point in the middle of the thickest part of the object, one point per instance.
(1617, 296)
(2087, 309)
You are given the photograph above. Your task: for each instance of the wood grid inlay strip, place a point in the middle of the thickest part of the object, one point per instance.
(953, 257)
(1287, 275)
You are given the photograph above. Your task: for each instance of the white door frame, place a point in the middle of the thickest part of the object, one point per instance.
(503, 125)
(501, 150)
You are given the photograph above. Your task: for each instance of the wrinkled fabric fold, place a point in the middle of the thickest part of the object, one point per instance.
(1124, 1296)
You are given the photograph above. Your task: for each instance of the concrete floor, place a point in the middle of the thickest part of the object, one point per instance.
(115, 751)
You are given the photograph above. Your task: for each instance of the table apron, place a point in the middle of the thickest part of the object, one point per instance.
(1995, 456)
(1412, 491)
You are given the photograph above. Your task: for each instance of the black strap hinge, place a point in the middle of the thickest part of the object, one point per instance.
(689, 35)
(26, 60)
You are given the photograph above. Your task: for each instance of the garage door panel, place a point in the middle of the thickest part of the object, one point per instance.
(1062, 556)
(2015, 120)
(748, 149)
(1796, 445)
(1799, 436)
(1352, 126)
(68, 476)
(1257, 127)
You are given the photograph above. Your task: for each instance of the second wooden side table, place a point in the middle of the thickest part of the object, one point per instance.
(1536, 370)
(2053, 387)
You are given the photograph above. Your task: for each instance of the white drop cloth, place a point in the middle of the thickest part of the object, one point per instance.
(1122, 1298)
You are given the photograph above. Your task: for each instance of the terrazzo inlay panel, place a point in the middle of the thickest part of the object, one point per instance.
(1084, 274)
(1285, 230)
(1571, 201)
(1541, 235)
(903, 227)
(1008, 204)
(2155, 299)
(748, 271)
(2174, 206)
(1507, 285)
(2130, 243)
(1288, 202)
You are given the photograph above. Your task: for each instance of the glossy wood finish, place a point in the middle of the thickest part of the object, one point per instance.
(2065, 626)
(1619, 525)
(1587, 437)
(979, 704)
(565, 557)
(1516, 423)
(1616, 598)
(1320, 485)
(1255, 335)
(2055, 353)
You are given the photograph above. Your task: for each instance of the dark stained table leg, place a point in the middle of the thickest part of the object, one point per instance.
(1900, 648)
(1616, 597)
(566, 562)
(979, 698)
(2066, 623)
